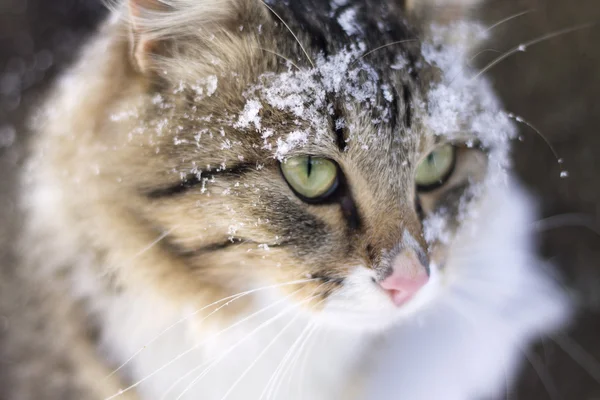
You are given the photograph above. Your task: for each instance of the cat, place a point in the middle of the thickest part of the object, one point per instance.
(237, 199)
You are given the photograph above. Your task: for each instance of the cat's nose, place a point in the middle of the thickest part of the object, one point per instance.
(408, 276)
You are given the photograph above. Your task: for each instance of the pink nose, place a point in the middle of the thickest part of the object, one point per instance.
(408, 276)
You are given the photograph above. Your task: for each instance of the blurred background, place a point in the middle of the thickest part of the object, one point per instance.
(554, 86)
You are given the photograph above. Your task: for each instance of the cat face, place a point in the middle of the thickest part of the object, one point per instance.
(344, 159)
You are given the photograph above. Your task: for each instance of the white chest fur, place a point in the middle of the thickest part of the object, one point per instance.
(276, 354)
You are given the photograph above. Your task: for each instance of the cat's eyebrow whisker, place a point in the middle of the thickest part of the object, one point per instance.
(509, 18)
(523, 46)
(198, 345)
(521, 120)
(533, 359)
(379, 48)
(567, 220)
(228, 300)
(250, 334)
(280, 56)
(473, 57)
(292, 32)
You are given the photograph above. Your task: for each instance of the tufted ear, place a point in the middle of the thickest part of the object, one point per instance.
(161, 28)
(143, 45)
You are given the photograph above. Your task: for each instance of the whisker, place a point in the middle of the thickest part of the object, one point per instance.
(294, 361)
(379, 48)
(577, 353)
(260, 355)
(293, 34)
(521, 120)
(303, 362)
(523, 46)
(280, 56)
(196, 346)
(481, 52)
(190, 372)
(275, 374)
(502, 21)
(228, 300)
(215, 362)
(564, 220)
(277, 384)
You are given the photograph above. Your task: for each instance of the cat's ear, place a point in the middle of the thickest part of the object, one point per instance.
(143, 45)
(160, 29)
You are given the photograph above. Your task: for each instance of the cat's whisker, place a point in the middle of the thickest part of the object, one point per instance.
(250, 334)
(283, 372)
(198, 345)
(302, 375)
(523, 46)
(567, 220)
(507, 19)
(228, 300)
(268, 386)
(294, 360)
(273, 378)
(260, 355)
(151, 245)
(379, 48)
(579, 355)
(280, 56)
(473, 57)
(521, 120)
(292, 32)
(190, 372)
(488, 29)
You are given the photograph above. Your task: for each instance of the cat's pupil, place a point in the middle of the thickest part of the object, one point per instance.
(308, 166)
(431, 158)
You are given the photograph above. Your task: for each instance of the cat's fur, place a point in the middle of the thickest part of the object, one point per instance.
(154, 190)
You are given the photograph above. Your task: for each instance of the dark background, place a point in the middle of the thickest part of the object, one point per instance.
(554, 85)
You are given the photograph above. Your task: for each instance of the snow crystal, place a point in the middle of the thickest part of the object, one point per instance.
(305, 94)
(387, 93)
(462, 101)
(250, 115)
(399, 63)
(293, 139)
(435, 228)
(347, 21)
(211, 85)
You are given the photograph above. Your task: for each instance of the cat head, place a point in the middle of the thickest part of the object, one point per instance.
(331, 144)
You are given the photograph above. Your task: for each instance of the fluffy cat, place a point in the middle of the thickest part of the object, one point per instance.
(236, 199)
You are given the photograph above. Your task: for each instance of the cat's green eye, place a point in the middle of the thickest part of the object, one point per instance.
(311, 178)
(436, 168)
